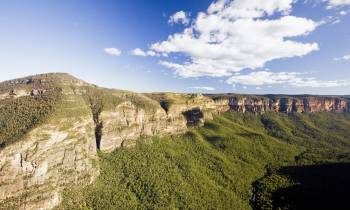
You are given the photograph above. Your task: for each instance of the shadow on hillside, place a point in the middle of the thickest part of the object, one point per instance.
(194, 117)
(217, 141)
(321, 187)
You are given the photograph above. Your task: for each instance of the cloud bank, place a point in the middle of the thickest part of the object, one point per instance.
(294, 79)
(235, 35)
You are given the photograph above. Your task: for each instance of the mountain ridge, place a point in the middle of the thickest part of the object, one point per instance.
(66, 121)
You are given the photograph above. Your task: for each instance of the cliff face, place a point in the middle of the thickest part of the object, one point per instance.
(288, 104)
(35, 169)
(61, 149)
(127, 122)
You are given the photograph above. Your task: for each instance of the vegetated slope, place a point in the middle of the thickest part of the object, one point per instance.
(28, 102)
(48, 142)
(319, 178)
(52, 125)
(215, 166)
(24, 103)
(209, 168)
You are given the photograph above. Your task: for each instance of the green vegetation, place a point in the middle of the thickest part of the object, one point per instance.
(212, 167)
(319, 177)
(18, 116)
(45, 95)
(166, 100)
(236, 161)
(39, 97)
(102, 99)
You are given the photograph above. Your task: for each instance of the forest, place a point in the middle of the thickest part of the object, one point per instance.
(236, 161)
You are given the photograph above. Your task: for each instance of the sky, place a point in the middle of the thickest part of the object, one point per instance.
(211, 46)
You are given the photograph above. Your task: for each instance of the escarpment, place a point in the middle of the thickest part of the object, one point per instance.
(58, 145)
(286, 104)
(129, 120)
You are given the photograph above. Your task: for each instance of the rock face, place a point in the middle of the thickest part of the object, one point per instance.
(35, 170)
(63, 150)
(127, 122)
(288, 104)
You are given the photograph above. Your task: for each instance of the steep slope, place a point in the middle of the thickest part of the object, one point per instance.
(51, 150)
(220, 165)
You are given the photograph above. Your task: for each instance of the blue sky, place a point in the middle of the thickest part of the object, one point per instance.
(234, 53)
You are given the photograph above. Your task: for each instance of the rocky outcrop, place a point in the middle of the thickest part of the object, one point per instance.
(288, 104)
(127, 122)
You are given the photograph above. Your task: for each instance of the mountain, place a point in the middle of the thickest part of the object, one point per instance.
(65, 143)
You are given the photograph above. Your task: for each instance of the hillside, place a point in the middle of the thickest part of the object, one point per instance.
(220, 166)
(120, 149)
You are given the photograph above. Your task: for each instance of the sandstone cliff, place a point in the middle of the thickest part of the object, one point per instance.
(130, 120)
(61, 149)
(286, 104)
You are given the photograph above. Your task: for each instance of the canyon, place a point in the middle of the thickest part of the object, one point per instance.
(63, 148)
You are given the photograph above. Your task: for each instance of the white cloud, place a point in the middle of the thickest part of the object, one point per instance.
(151, 53)
(336, 21)
(112, 51)
(290, 78)
(179, 17)
(203, 88)
(345, 57)
(140, 52)
(235, 35)
(343, 13)
(337, 3)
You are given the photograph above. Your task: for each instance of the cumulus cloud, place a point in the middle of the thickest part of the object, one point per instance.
(112, 51)
(343, 13)
(337, 3)
(179, 17)
(140, 52)
(345, 57)
(234, 35)
(202, 88)
(290, 78)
